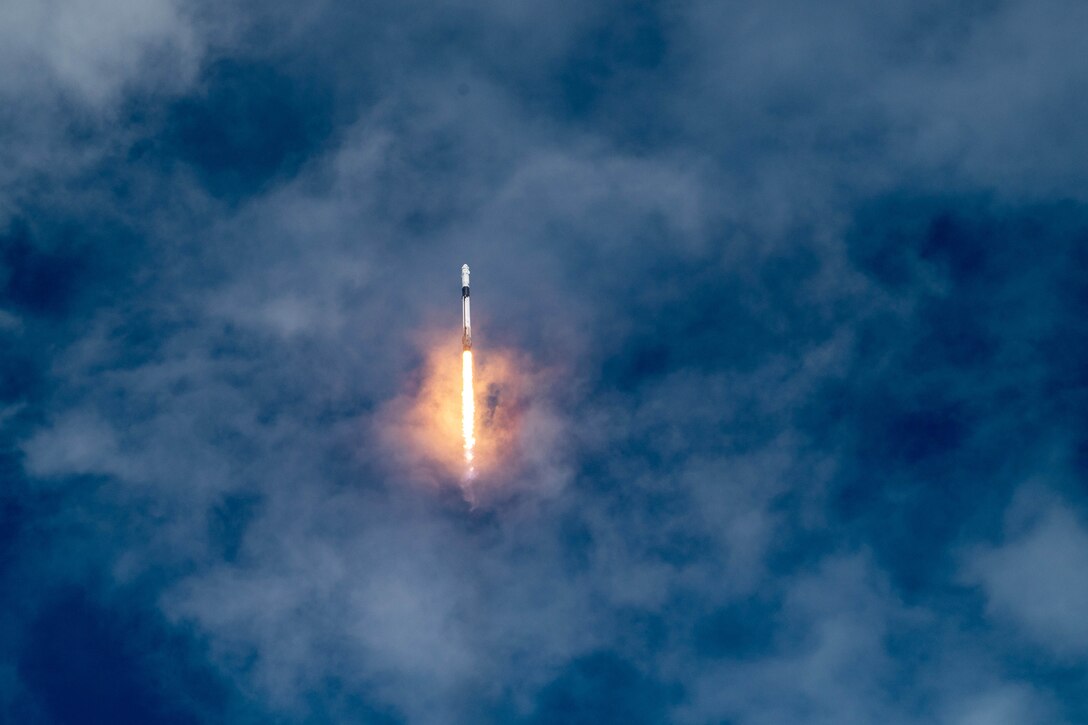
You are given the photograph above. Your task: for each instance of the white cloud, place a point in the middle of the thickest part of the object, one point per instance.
(1005, 704)
(1036, 580)
(77, 443)
(94, 49)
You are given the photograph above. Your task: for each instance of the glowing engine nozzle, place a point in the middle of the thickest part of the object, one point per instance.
(466, 317)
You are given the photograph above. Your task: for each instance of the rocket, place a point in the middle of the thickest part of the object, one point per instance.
(466, 319)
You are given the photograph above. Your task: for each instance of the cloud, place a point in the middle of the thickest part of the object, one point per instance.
(830, 663)
(1001, 706)
(766, 293)
(77, 444)
(95, 50)
(1033, 581)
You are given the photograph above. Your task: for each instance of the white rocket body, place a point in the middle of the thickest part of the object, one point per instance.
(466, 317)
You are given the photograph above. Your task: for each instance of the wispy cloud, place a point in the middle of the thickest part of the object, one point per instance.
(789, 304)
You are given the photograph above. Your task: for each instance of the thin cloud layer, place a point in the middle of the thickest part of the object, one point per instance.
(786, 384)
(1033, 580)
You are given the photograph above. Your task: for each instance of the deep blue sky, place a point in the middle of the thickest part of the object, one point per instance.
(801, 295)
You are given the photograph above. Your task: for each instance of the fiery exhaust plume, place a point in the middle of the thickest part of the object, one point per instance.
(468, 413)
(478, 441)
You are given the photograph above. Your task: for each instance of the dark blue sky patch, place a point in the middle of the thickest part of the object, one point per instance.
(958, 332)
(139, 338)
(644, 630)
(1064, 344)
(676, 547)
(630, 38)
(335, 700)
(915, 476)
(21, 375)
(1007, 314)
(227, 523)
(714, 320)
(247, 125)
(86, 664)
(602, 689)
(1066, 679)
(646, 359)
(418, 189)
(13, 510)
(575, 537)
(916, 437)
(957, 244)
(1069, 386)
(740, 630)
(994, 287)
(937, 430)
(945, 434)
(59, 264)
(615, 78)
(912, 519)
(887, 235)
(38, 281)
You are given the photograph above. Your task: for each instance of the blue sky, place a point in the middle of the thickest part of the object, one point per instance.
(796, 296)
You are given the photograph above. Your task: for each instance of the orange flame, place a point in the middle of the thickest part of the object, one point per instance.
(425, 435)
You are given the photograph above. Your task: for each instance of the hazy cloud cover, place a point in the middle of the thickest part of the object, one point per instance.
(784, 308)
